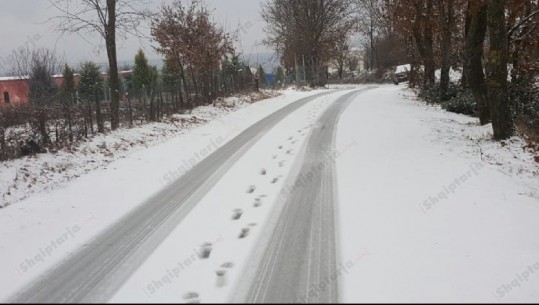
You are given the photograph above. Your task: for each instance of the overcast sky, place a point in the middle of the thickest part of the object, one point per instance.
(24, 22)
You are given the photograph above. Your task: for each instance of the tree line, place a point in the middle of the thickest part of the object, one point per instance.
(494, 44)
(200, 64)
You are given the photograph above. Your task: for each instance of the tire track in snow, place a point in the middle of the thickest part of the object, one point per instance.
(301, 255)
(95, 272)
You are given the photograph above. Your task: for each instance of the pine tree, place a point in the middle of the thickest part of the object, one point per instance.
(68, 97)
(90, 89)
(145, 82)
(279, 76)
(261, 74)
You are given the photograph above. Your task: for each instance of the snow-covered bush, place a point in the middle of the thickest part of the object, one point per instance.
(463, 103)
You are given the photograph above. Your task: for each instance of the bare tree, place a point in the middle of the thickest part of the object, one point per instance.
(109, 19)
(371, 25)
(342, 49)
(38, 67)
(192, 44)
(306, 29)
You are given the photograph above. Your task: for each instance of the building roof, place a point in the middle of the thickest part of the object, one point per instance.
(11, 78)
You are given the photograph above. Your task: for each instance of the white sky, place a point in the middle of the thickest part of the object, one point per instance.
(25, 22)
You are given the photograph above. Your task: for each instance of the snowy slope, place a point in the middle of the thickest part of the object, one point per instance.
(431, 209)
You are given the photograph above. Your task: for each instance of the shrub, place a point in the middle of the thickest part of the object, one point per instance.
(459, 99)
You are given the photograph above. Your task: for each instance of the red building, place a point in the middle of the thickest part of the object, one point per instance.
(15, 90)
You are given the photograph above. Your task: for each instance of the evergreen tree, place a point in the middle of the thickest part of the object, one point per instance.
(280, 76)
(91, 89)
(145, 82)
(261, 74)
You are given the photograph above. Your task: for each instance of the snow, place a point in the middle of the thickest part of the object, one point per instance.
(54, 212)
(454, 75)
(403, 68)
(24, 177)
(430, 209)
(444, 213)
(174, 272)
(12, 78)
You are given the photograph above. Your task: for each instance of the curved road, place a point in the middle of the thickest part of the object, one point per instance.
(94, 273)
(300, 260)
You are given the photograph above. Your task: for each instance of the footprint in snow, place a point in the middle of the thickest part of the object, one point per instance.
(237, 213)
(221, 278)
(227, 265)
(263, 172)
(258, 202)
(244, 233)
(191, 297)
(205, 250)
(281, 163)
(251, 189)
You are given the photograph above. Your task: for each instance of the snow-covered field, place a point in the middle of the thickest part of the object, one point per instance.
(442, 213)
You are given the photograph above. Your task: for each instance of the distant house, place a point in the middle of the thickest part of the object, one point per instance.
(359, 55)
(15, 90)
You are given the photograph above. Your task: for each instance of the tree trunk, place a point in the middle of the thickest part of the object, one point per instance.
(42, 124)
(185, 87)
(3, 147)
(446, 15)
(180, 94)
(90, 117)
(98, 117)
(152, 107)
(130, 109)
(424, 43)
(195, 85)
(430, 65)
(473, 66)
(114, 78)
(467, 23)
(497, 59)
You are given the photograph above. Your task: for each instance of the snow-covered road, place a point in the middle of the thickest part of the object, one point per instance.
(301, 255)
(96, 272)
(352, 195)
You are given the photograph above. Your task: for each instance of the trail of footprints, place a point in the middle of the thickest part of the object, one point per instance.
(237, 214)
